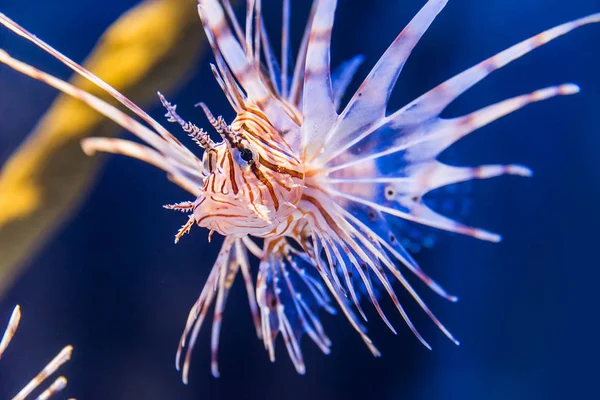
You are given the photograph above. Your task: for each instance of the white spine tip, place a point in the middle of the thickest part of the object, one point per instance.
(453, 299)
(16, 313)
(569, 89)
(520, 170)
(87, 148)
(495, 238)
(529, 173)
(488, 236)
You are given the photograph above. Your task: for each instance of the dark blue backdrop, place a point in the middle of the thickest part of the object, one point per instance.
(114, 285)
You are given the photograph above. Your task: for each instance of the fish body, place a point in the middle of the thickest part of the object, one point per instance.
(311, 187)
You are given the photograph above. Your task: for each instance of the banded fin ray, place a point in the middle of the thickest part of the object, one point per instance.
(172, 144)
(429, 106)
(297, 83)
(368, 105)
(342, 76)
(398, 152)
(411, 157)
(290, 298)
(231, 259)
(182, 167)
(384, 233)
(318, 108)
(365, 259)
(225, 44)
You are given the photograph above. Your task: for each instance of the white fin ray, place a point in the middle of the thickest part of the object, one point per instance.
(425, 140)
(11, 329)
(346, 245)
(318, 107)
(317, 224)
(99, 105)
(226, 277)
(184, 168)
(365, 253)
(457, 128)
(172, 142)
(429, 106)
(285, 47)
(241, 254)
(367, 247)
(229, 88)
(380, 231)
(295, 95)
(421, 214)
(65, 355)
(271, 62)
(340, 262)
(231, 259)
(369, 103)
(188, 179)
(237, 28)
(224, 42)
(416, 171)
(436, 100)
(289, 300)
(342, 77)
(45, 373)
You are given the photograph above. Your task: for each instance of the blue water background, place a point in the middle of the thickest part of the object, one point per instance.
(113, 284)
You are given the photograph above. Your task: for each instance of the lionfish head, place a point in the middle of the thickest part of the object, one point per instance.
(252, 178)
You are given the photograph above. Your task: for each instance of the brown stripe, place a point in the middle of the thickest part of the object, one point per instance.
(219, 201)
(222, 190)
(280, 169)
(234, 185)
(222, 162)
(325, 215)
(259, 137)
(211, 167)
(261, 177)
(250, 194)
(212, 185)
(257, 121)
(218, 215)
(218, 28)
(320, 35)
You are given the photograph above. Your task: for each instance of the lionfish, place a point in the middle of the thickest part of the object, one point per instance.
(309, 186)
(65, 354)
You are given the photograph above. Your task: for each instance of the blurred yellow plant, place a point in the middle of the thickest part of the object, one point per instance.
(154, 45)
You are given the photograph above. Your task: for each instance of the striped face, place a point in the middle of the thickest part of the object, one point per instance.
(253, 181)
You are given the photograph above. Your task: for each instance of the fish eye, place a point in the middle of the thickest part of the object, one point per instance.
(244, 156)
